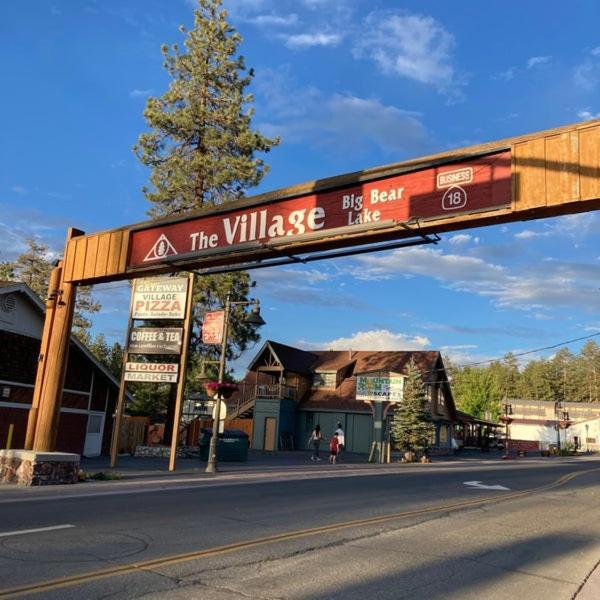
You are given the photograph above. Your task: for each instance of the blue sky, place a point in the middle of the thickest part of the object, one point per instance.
(347, 84)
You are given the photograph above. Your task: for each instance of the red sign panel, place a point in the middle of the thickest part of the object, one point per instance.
(212, 327)
(434, 193)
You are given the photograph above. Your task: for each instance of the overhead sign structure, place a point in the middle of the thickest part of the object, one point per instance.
(468, 186)
(155, 340)
(212, 327)
(373, 388)
(151, 372)
(159, 298)
(533, 176)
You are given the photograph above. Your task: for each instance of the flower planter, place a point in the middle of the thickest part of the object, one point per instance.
(222, 390)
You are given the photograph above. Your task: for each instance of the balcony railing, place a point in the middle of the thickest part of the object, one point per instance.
(244, 400)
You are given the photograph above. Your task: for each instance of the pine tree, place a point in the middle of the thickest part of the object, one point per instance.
(201, 148)
(7, 271)
(33, 268)
(412, 426)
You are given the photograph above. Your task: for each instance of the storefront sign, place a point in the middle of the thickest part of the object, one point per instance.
(212, 327)
(159, 298)
(155, 340)
(152, 372)
(481, 183)
(379, 389)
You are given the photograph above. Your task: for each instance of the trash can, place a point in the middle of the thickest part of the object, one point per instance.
(231, 447)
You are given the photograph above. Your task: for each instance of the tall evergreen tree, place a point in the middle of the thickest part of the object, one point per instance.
(7, 271)
(201, 148)
(412, 427)
(33, 267)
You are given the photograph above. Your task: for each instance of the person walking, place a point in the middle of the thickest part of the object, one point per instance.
(315, 439)
(333, 448)
(341, 440)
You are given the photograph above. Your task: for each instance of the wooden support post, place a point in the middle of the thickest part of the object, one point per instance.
(51, 301)
(55, 370)
(183, 360)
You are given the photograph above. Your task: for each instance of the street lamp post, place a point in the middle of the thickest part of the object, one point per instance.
(253, 318)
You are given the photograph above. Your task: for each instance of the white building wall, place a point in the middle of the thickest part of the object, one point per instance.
(585, 430)
(543, 434)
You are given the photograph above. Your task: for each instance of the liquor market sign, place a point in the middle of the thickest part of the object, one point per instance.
(159, 298)
(478, 184)
(379, 389)
(151, 372)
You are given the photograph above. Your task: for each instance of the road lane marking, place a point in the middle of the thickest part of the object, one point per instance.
(69, 581)
(479, 485)
(37, 530)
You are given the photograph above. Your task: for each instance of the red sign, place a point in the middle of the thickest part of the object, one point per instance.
(212, 327)
(438, 192)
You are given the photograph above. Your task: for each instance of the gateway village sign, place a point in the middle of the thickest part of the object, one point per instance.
(544, 174)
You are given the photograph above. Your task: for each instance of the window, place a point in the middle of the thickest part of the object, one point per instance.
(326, 380)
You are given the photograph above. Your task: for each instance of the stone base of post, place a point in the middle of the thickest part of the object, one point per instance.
(31, 468)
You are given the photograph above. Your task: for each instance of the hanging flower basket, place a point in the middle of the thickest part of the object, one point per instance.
(223, 390)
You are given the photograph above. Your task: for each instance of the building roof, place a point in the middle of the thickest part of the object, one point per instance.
(8, 287)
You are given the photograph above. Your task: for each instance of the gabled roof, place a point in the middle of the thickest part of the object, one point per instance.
(9, 287)
(291, 359)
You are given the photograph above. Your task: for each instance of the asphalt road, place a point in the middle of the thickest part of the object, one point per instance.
(369, 535)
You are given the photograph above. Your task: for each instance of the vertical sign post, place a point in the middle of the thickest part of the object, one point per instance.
(156, 299)
(187, 326)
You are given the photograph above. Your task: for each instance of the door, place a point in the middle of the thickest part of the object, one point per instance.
(270, 429)
(93, 437)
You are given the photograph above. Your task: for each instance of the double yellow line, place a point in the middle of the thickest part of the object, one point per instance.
(149, 565)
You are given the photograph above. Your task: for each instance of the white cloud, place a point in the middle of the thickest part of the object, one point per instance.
(506, 75)
(528, 234)
(460, 239)
(375, 339)
(587, 73)
(137, 93)
(410, 45)
(547, 284)
(307, 115)
(536, 61)
(19, 189)
(273, 20)
(587, 115)
(302, 41)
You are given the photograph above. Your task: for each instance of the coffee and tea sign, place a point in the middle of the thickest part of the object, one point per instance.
(156, 299)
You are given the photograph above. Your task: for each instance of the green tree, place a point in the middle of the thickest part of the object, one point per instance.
(115, 360)
(476, 392)
(412, 427)
(201, 147)
(99, 348)
(33, 267)
(7, 271)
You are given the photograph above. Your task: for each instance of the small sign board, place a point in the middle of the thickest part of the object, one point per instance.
(212, 327)
(159, 298)
(372, 388)
(152, 372)
(155, 340)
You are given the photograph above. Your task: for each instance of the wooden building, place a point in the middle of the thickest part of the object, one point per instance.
(287, 391)
(90, 393)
